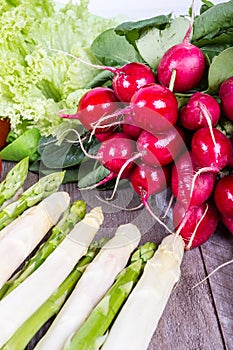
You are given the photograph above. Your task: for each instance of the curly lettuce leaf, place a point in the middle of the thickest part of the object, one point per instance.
(38, 78)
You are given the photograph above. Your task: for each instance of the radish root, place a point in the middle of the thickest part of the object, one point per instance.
(214, 271)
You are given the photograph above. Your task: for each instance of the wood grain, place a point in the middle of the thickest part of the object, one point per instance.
(198, 318)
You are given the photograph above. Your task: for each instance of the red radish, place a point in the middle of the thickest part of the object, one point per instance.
(130, 78)
(127, 79)
(161, 149)
(129, 128)
(230, 164)
(93, 105)
(182, 179)
(223, 195)
(186, 60)
(228, 222)
(191, 115)
(195, 225)
(147, 180)
(155, 108)
(114, 152)
(226, 96)
(211, 153)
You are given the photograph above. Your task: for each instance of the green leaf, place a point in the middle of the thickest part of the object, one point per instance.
(93, 177)
(216, 19)
(134, 30)
(220, 69)
(25, 145)
(114, 50)
(155, 42)
(65, 154)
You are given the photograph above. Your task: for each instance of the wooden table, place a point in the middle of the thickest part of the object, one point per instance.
(199, 318)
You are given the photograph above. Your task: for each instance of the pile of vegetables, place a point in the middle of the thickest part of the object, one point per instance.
(158, 112)
(94, 285)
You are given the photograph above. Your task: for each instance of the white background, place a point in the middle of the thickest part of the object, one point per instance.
(138, 9)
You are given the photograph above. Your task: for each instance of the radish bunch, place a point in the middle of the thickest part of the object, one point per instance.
(145, 138)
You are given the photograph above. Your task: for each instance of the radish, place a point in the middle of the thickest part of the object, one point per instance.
(93, 105)
(113, 154)
(160, 149)
(182, 178)
(226, 96)
(228, 222)
(208, 152)
(191, 115)
(130, 78)
(147, 180)
(223, 196)
(230, 164)
(195, 225)
(127, 79)
(185, 60)
(129, 128)
(155, 108)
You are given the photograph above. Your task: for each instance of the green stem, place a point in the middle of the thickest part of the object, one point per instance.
(34, 194)
(13, 180)
(91, 333)
(53, 304)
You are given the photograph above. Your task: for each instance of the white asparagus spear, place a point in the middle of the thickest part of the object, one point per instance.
(94, 283)
(19, 238)
(17, 306)
(138, 319)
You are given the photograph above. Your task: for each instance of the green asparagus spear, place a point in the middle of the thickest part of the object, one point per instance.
(41, 189)
(70, 217)
(92, 331)
(14, 180)
(53, 304)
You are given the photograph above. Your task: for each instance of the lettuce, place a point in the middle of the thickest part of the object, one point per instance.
(38, 78)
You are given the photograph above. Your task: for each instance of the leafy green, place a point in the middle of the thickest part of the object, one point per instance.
(213, 22)
(62, 155)
(134, 30)
(156, 42)
(113, 50)
(25, 145)
(38, 79)
(220, 69)
(93, 177)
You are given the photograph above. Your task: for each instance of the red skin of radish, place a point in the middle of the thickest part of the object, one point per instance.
(226, 96)
(130, 78)
(183, 171)
(115, 151)
(228, 222)
(230, 164)
(189, 63)
(93, 105)
(155, 108)
(223, 195)
(160, 149)
(129, 128)
(147, 180)
(206, 154)
(206, 227)
(191, 116)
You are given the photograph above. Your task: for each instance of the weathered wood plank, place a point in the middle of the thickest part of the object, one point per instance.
(217, 251)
